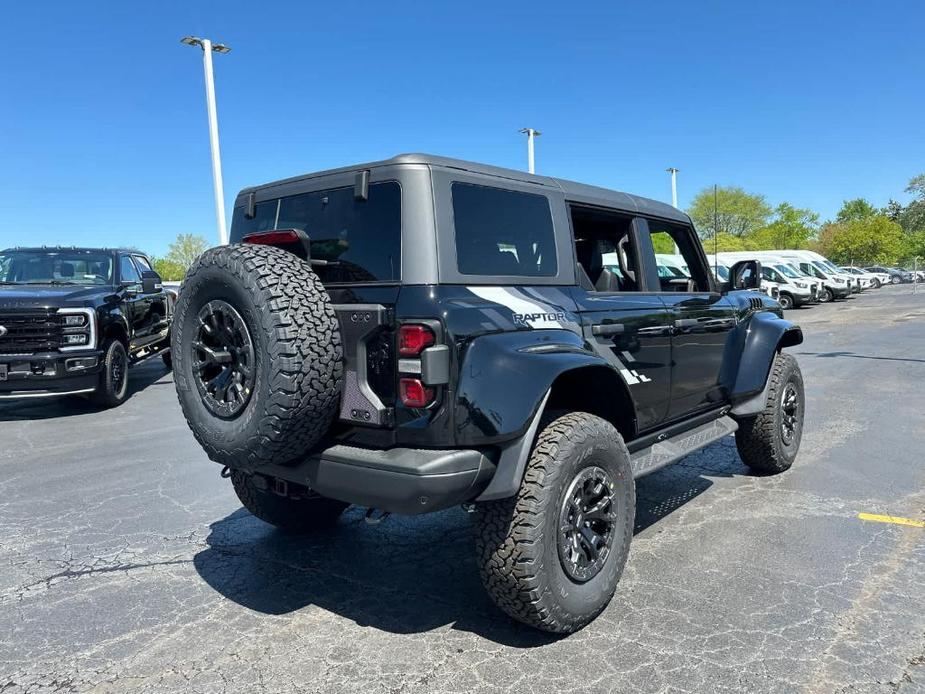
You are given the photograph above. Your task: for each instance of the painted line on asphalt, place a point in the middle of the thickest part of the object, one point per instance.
(891, 519)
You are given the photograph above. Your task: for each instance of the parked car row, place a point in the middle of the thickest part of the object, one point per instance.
(796, 277)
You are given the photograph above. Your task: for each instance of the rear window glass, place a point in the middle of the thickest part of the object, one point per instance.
(503, 232)
(360, 239)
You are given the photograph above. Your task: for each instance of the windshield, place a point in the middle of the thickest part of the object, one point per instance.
(668, 271)
(56, 267)
(786, 271)
(831, 267)
(822, 267)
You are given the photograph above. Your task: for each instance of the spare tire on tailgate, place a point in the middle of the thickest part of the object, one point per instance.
(257, 355)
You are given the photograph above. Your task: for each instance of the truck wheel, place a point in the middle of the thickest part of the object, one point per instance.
(293, 514)
(785, 301)
(113, 387)
(551, 556)
(826, 295)
(769, 441)
(257, 355)
(875, 283)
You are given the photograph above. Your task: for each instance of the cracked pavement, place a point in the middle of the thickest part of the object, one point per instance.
(128, 565)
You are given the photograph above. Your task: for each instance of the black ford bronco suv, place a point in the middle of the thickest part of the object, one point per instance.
(72, 320)
(421, 332)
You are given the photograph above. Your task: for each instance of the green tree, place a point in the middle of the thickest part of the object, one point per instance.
(858, 208)
(874, 239)
(185, 249)
(169, 270)
(912, 218)
(738, 213)
(792, 227)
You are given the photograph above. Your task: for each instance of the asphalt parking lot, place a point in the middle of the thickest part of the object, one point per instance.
(128, 565)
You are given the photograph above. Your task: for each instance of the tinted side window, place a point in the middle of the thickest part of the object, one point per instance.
(128, 270)
(503, 232)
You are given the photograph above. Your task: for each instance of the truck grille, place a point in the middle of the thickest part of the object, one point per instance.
(30, 331)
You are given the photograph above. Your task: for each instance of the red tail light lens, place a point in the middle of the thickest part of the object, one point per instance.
(414, 393)
(414, 339)
(272, 238)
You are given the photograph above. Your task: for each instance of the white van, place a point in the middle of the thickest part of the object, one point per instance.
(793, 290)
(835, 284)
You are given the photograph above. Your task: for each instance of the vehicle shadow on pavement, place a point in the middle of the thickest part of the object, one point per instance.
(409, 574)
(141, 378)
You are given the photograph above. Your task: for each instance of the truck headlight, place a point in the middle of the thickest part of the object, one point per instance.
(801, 285)
(78, 329)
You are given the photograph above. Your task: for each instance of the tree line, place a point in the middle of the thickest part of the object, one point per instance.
(861, 233)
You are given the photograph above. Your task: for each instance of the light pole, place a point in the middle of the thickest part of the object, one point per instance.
(530, 133)
(207, 47)
(674, 185)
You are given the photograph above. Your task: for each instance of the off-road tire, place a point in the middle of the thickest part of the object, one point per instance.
(291, 514)
(759, 439)
(517, 538)
(109, 393)
(298, 360)
(785, 301)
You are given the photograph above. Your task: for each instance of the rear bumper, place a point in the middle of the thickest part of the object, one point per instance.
(399, 480)
(49, 374)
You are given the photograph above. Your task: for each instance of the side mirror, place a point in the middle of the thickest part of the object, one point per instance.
(745, 274)
(151, 282)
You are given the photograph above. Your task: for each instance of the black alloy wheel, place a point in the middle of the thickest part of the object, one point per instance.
(586, 523)
(223, 359)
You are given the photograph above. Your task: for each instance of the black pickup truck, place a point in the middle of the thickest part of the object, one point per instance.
(72, 321)
(422, 332)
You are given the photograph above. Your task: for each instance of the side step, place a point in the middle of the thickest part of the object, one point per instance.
(669, 451)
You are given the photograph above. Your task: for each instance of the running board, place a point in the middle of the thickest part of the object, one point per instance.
(669, 451)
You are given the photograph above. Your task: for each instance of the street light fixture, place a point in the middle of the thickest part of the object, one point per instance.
(530, 133)
(207, 48)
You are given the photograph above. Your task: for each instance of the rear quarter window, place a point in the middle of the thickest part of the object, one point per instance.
(503, 232)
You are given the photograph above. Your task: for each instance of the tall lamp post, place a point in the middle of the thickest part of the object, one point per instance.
(531, 134)
(674, 185)
(207, 47)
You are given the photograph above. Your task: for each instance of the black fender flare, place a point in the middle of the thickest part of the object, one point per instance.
(115, 320)
(504, 386)
(761, 338)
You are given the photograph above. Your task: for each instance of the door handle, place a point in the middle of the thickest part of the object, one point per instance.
(687, 323)
(604, 329)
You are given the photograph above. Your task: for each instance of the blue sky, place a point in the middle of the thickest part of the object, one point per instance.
(103, 135)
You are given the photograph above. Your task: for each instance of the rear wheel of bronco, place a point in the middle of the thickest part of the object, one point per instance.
(257, 355)
(552, 555)
(113, 387)
(286, 512)
(769, 441)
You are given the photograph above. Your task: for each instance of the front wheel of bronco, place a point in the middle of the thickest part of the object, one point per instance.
(551, 556)
(769, 441)
(285, 512)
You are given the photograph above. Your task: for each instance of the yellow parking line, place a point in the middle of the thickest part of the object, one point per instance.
(891, 519)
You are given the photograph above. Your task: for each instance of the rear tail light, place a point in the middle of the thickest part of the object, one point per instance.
(271, 238)
(414, 339)
(414, 393)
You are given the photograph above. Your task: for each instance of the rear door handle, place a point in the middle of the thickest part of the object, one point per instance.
(604, 329)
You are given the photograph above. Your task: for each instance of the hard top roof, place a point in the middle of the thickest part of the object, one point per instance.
(576, 192)
(78, 249)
